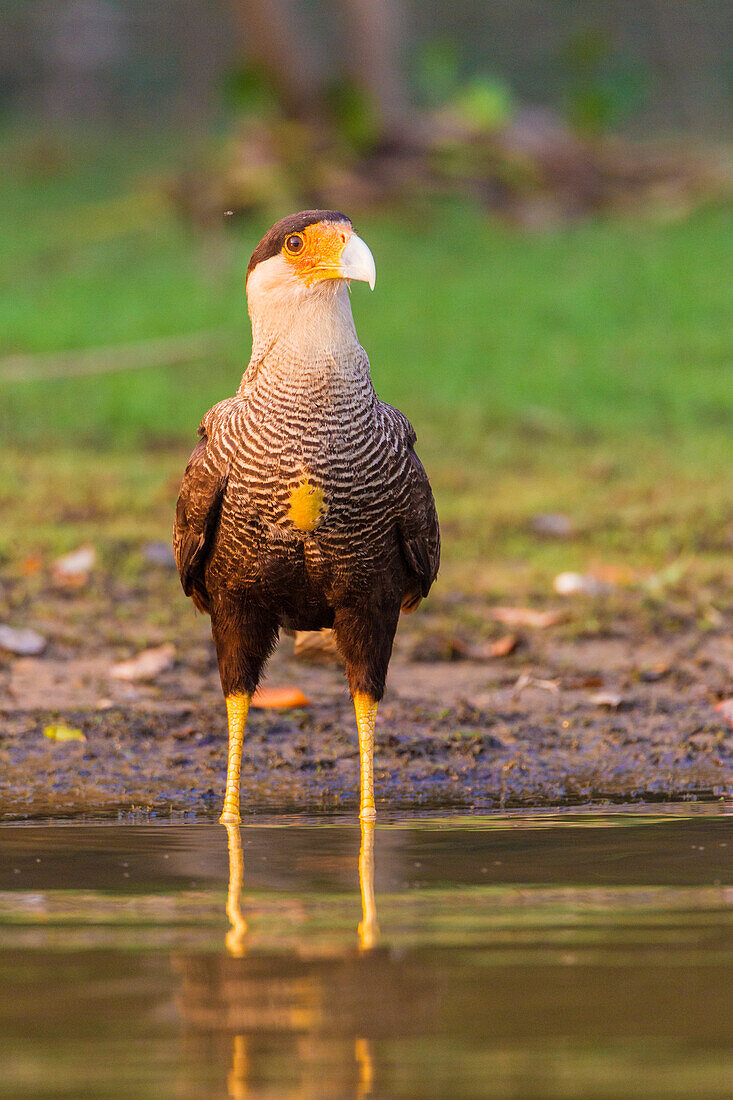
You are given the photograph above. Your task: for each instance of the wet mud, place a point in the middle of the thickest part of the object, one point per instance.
(562, 719)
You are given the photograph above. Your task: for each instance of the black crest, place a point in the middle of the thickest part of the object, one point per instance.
(274, 238)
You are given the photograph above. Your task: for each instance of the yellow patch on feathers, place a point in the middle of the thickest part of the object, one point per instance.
(306, 506)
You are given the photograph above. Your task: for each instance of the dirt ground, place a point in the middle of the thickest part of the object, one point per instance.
(616, 703)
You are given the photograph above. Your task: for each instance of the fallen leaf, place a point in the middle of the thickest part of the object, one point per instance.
(656, 672)
(282, 698)
(528, 616)
(317, 647)
(61, 732)
(576, 683)
(606, 699)
(447, 647)
(615, 574)
(725, 709)
(580, 584)
(73, 569)
(31, 565)
(146, 665)
(26, 643)
(523, 680)
(526, 679)
(502, 647)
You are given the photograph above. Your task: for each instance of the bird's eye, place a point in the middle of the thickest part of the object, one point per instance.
(294, 243)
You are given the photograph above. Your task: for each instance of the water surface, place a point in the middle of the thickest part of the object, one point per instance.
(547, 955)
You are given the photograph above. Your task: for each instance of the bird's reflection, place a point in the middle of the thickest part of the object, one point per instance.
(367, 929)
(263, 999)
(285, 1009)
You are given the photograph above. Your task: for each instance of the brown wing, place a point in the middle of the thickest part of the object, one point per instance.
(419, 533)
(197, 517)
(417, 522)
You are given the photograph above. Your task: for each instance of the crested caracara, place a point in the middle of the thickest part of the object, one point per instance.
(304, 505)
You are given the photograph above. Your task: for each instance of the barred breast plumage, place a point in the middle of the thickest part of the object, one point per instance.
(329, 433)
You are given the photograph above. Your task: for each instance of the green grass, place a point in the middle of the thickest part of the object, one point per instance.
(585, 369)
(604, 328)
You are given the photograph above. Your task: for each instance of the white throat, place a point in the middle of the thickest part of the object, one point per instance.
(293, 322)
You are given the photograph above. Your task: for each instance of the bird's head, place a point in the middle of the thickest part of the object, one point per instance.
(306, 258)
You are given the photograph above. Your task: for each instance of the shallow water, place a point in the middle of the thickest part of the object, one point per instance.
(535, 955)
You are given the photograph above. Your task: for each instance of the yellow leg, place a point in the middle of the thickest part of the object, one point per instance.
(237, 707)
(368, 929)
(366, 716)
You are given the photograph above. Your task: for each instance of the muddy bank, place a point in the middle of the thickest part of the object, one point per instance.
(558, 720)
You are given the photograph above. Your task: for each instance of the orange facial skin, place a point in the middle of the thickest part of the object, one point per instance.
(320, 256)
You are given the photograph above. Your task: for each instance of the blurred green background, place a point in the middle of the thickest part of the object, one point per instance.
(544, 187)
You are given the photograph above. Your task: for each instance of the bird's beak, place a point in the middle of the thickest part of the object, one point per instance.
(357, 262)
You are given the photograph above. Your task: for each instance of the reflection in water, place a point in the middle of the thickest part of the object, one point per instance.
(582, 960)
(368, 928)
(363, 1054)
(256, 999)
(237, 1077)
(236, 934)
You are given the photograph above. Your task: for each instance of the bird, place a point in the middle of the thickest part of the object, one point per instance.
(304, 505)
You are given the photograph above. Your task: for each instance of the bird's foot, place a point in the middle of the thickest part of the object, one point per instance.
(228, 818)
